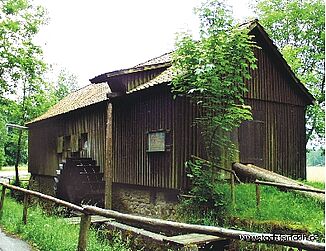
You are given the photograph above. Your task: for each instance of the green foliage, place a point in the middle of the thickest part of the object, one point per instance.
(286, 207)
(316, 157)
(49, 232)
(205, 197)
(212, 73)
(66, 82)
(298, 28)
(20, 58)
(278, 209)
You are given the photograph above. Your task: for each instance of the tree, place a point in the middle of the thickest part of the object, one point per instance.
(21, 64)
(65, 83)
(212, 73)
(20, 59)
(298, 28)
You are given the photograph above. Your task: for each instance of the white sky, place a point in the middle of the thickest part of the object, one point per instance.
(89, 38)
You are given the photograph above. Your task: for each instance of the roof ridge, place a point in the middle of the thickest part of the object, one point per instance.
(151, 59)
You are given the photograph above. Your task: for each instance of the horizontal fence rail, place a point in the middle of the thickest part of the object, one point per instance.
(182, 227)
(287, 186)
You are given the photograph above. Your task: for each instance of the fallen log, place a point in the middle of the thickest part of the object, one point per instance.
(254, 172)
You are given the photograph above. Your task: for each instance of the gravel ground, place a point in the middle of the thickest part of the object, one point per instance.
(8, 243)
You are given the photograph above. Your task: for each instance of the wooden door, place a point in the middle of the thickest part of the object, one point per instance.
(251, 141)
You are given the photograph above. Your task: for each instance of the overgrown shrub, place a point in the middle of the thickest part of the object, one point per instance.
(208, 194)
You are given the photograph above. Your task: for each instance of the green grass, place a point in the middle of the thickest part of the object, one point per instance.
(277, 209)
(286, 207)
(50, 232)
(12, 168)
(319, 185)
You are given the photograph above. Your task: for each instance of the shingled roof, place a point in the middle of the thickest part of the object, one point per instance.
(88, 95)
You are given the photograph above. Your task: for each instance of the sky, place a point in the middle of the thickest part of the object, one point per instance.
(89, 38)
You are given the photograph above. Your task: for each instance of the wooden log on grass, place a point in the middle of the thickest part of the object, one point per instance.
(217, 231)
(255, 172)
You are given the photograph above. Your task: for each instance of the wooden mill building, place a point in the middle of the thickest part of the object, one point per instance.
(128, 128)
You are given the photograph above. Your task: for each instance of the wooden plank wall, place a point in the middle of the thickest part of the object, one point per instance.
(43, 135)
(283, 137)
(151, 111)
(270, 82)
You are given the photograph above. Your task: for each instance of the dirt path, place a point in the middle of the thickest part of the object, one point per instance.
(8, 243)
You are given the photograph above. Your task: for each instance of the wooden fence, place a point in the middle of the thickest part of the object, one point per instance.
(284, 186)
(87, 211)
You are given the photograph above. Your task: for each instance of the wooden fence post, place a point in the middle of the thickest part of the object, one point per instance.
(25, 208)
(232, 191)
(2, 200)
(257, 196)
(85, 222)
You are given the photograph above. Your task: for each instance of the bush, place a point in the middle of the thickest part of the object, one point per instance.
(208, 195)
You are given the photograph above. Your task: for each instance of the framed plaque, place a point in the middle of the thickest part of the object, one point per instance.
(156, 142)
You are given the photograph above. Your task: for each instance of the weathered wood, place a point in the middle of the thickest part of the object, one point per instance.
(94, 219)
(25, 208)
(109, 158)
(257, 196)
(2, 200)
(254, 172)
(232, 191)
(280, 185)
(85, 223)
(183, 227)
(193, 239)
(44, 196)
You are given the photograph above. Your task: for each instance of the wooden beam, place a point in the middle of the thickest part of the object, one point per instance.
(85, 223)
(42, 196)
(108, 158)
(25, 208)
(217, 231)
(287, 186)
(2, 200)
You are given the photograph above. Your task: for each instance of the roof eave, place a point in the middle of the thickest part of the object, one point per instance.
(105, 77)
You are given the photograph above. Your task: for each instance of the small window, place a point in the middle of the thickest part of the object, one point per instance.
(83, 145)
(156, 141)
(60, 144)
(74, 143)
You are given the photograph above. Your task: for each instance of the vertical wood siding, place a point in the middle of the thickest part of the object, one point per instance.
(283, 138)
(43, 135)
(140, 114)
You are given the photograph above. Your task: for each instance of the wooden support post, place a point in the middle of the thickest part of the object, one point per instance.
(257, 196)
(108, 160)
(85, 223)
(25, 208)
(232, 191)
(2, 200)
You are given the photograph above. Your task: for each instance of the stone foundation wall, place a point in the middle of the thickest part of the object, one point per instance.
(42, 183)
(144, 201)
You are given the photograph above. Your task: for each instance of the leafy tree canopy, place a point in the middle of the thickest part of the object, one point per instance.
(298, 28)
(212, 73)
(20, 59)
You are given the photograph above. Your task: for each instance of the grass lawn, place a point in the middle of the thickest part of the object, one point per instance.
(49, 232)
(285, 207)
(23, 167)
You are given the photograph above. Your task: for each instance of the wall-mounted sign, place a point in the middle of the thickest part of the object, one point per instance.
(156, 142)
